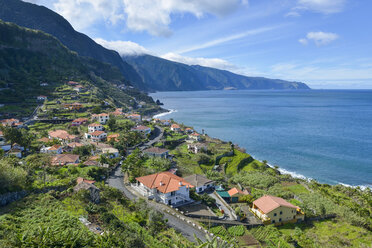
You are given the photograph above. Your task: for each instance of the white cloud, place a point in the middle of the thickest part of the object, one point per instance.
(225, 39)
(209, 62)
(123, 47)
(151, 16)
(303, 41)
(318, 6)
(320, 38)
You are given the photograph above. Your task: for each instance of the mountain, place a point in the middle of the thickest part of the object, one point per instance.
(29, 57)
(41, 18)
(164, 75)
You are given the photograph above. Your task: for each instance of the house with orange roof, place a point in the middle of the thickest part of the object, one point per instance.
(10, 122)
(235, 194)
(96, 136)
(79, 121)
(95, 127)
(56, 149)
(195, 137)
(141, 129)
(65, 159)
(62, 135)
(175, 128)
(164, 187)
(42, 98)
(72, 83)
(276, 210)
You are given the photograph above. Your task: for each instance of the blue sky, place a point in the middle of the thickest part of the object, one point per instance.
(325, 43)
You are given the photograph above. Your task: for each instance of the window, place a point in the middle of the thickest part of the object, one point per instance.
(274, 214)
(273, 221)
(281, 212)
(173, 193)
(280, 219)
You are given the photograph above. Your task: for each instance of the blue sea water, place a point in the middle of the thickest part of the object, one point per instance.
(320, 134)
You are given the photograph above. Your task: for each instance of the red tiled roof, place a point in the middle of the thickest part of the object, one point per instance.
(75, 144)
(94, 125)
(54, 147)
(97, 133)
(141, 128)
(165, 182)
(61, 134)
(1, 133)
(175, 126)
(103, 114)
(195, 134)
(268, 203)
(64, 159)
(44, 139)
(235, 191)
(80, 120)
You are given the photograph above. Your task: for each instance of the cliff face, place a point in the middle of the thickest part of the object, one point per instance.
(41, 18)
(160, 74)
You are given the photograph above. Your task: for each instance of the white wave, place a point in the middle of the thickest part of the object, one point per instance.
(362, 187)
(164, 114)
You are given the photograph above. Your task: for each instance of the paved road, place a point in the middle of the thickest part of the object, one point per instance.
(116, 180)
(155, 137)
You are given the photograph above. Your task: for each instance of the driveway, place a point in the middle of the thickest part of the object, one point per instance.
(116, 180)
(223, 206)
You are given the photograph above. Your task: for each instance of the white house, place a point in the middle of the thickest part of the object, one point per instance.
(95, 127)
(195, 137)
(175, 128)
(197, 147)
(101, 118)
(55, 149)
(142, 129)
(96, 136)
(134, 117)
(164, 187)
(200, 182)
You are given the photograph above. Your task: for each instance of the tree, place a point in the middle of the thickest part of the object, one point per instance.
(19, 136)
(96, 110)
(155, 222)
(112, 123)
(132, 164)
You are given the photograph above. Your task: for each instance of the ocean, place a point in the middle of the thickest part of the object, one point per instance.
(320, 134)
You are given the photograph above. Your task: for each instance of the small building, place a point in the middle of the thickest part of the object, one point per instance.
(117, 112)
(197, 147)
(79, 121)
(65, 159)
(134, 117)
(189, 130)
(62, 135)
(156, 152)
(45, 140)
(235, 194)
(201, 183)
(164, 187)
(142, 129)
(10, 122)
(71, 146)
(110, 152)
(175, 128)
(44, 84)
(95, 127)
(276, 210)
(195, 137)
(73, 106)
(78, 88)
(114, 136)
(42, 98)
(14, 152)
(56, 149)
(165, 122)
(101, 118)
(96, 136)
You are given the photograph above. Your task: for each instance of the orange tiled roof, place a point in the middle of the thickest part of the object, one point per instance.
(235, 191)
(175, 126)
(64, 159)
(94, 125)
(54, 147)
(75, 144)
(61, 134)
(114, 135)
(97, 133)
(80, 180)
(268, 203)
(80, 120)
(141, 128)
(44, 139)
(165, 182)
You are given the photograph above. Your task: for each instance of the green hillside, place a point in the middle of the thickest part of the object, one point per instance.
(29, 57)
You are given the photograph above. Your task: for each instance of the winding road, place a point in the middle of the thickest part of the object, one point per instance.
(116, 180)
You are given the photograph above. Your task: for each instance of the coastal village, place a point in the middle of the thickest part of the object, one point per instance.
(211, 186)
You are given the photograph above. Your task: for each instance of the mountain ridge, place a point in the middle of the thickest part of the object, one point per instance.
(164, 75)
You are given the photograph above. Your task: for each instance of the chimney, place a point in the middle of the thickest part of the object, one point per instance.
(161, 184)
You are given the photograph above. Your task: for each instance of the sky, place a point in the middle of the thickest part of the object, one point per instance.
(324, 43)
